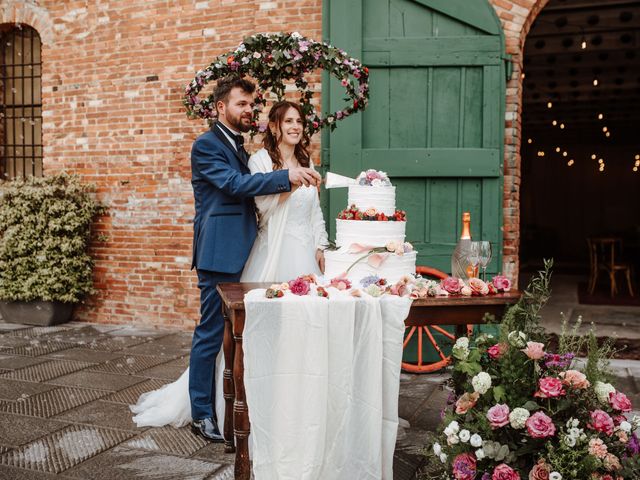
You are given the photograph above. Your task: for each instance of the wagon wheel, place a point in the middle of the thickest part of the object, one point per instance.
(432, 340)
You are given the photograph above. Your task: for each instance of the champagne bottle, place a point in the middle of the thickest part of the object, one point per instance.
(460, 266)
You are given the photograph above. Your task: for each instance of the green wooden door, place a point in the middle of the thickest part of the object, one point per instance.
(434, 123)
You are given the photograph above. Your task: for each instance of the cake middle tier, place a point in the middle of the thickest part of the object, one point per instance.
(367, 232)
(364, 197)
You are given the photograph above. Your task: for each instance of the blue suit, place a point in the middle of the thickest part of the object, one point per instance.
(224, 230)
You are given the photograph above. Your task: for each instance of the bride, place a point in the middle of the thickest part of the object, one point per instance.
(291, 240)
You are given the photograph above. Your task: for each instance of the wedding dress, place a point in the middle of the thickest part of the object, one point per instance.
(289, 233)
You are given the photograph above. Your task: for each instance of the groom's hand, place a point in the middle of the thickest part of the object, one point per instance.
(304, 176)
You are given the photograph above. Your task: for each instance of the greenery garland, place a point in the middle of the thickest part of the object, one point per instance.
(273, 59)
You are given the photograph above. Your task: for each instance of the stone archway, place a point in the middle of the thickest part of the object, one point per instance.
(29, 13)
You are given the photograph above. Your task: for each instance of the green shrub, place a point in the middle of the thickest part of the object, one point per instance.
(45, 227)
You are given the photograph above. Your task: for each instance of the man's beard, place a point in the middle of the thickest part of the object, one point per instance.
(236, 123)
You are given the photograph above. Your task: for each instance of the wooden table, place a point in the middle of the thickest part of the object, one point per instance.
(458, 311)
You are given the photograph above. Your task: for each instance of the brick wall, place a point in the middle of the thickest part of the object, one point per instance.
(114, 72)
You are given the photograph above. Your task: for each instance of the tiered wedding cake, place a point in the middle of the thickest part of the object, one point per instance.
(370, 234)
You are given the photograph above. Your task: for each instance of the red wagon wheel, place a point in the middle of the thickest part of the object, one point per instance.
(432, 340)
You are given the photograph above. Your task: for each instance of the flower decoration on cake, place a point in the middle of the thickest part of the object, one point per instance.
(373, 178)
(371, 214)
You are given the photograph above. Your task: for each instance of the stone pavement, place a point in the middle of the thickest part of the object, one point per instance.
(65, 391)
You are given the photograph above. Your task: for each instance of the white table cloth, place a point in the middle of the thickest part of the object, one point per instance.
(322, 379)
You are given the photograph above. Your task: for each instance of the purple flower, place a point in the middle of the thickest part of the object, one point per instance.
(370, 280)
(634, 445)
(486, 476)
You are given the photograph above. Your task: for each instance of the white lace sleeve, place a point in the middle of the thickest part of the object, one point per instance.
(260, 162)
(320, 236)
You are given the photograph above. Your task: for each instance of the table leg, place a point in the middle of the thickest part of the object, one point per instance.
(241, 425)
(228, 387)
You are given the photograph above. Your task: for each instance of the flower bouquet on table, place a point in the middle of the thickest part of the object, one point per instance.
(521, 411)
(453, 286)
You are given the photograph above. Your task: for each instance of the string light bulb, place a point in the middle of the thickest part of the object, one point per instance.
(637, 157)
(608, 134)
(564, 154)
(562, 126)
(594, 156)
(583, 44)
(600, 116)
(600, 161)
(557, 149)
(595, 82)
(635, 169)
(522, 75)
(604, 129)
(530, 140)
(570, 162)
(554, 123)
(549, 105)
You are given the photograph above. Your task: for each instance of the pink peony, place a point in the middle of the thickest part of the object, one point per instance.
(619, 401)
(540, 425)
(540, 471)
(451, 285)
(575, 379)
(597, 448)
(466, 402)
(504, 472)
(601, 422)
(611, 462)
(549, 387)
(497, 350)
(498, 415)
(501, 283)
(299, 286)
(464, 466)
(478, 287)
(534, 350)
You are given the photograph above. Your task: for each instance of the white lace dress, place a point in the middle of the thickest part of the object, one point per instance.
(288, 235)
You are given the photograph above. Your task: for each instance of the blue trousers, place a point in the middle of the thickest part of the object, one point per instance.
(207, 340)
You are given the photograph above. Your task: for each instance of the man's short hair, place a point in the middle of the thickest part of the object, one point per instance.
(226, 84)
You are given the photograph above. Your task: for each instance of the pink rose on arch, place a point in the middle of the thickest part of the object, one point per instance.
(540, 425)
(498, 415)
(534, 350)
(478, 287)
(549, 387)
(504, 472)
(502, 283)
(466, 402)
(496, 351)
(299, 286)
(464, 466)
(619, 401)
(451, 285)
(575, 379)
(540, 471)
(601, 422)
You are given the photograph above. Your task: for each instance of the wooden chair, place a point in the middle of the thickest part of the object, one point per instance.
(602, 257)
(430, 338)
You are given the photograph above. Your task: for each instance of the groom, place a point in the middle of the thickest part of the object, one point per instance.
(224, 230)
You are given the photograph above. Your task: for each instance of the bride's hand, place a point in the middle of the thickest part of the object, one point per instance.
(320, 259)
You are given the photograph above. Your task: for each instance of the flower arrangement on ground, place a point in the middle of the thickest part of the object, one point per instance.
(521, 411)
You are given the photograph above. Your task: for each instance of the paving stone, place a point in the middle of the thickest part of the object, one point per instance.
(9, 327)
(17, 429)
(82, 354)
(129, 396)
(37, 331)
(129, 364)
(36, 348)
(122, 463)
(46, 370)
(156, 348)
(107, 343)
(101, 414)
(168, 371)
(181, 441)
(10, 341)
(20, 474)
(14, 389)
(98, 380)
(63, 449)
(51, 402)
(214, 452)
(135, 331)
(16, 362)
(226, 472)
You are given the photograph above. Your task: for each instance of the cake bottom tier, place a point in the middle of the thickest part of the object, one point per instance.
(393, 268)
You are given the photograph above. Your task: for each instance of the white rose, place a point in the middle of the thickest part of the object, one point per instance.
(454, 426)
(625, 427)
(476, 440)
(464, 435)
(466, 291)
(480, 454)
(569, 441)
(376, 182)
(517, 339)
(453, 439)
(443, 457)
(555, 476)
(481, 382)
(437, 449)
(603, 390)
(518, 417)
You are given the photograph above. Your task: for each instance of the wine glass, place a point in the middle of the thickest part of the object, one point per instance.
(484, 256)
(474, 257)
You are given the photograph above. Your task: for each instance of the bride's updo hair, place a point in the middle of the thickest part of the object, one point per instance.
(301, 150)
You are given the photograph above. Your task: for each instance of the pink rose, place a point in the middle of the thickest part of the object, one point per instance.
(601, 422)
(497, 350)
(575, 379)
(619, 401)
(466, 402)
(540, 426)
(498, 415)
(504, 472)
(549, 387)
(501, 283)
(540, 471)
(464, 466)
(611, 462)
(534, 350)
(478, 287)
(597, 448)
(451, 285)
(299, 286)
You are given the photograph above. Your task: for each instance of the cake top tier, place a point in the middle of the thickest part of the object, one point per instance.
(373, 178)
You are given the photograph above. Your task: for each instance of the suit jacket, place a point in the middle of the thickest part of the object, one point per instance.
(224, 226)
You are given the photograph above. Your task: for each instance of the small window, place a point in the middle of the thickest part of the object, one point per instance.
(21, 108)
